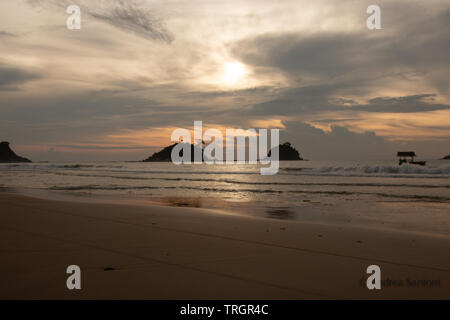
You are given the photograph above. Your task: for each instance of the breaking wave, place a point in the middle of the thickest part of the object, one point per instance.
(379, 171)
(261, 191)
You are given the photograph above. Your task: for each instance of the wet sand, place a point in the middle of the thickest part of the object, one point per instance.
(156, 252)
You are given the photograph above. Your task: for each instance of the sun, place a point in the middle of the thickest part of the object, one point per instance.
(233, 72)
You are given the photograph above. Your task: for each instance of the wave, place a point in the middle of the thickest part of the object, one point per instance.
(98, 187)
(230, 181)
(46, 166)
(261, 191)
(406, 170)
(379, 171)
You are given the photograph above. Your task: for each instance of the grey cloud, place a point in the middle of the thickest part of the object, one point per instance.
(343, 144)
(302, 100)
(413, 103)
(313, 99)
(354, 64)
(413, 45)
(417, 46)
(87, 147)
(340, 143)
(93, 114)
(129, 16)
(12, 77)
(5, 34)
(295, 54)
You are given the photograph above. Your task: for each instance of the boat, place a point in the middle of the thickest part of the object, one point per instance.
(404, 155)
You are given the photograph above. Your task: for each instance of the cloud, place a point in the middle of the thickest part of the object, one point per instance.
(409, 44)
(411, 51)
(12, 77)
(310, 100)
(5, 34)
(412, 103)
(339, 143)
(129, 16)
(309, 61)
(299, 55)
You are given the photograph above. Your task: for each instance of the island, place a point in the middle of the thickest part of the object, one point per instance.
(7, 155)
(165, 155)
(446, 158)
(287, 152)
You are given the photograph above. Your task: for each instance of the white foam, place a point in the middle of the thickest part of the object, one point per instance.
(379, 171)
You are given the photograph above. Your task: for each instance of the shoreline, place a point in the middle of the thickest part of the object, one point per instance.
(157, 252)
(311, 213)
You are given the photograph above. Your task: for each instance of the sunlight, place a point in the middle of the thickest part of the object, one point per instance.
(233, 72)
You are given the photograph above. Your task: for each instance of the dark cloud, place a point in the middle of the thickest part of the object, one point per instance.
(413, 103)
(411, 45)
(89, 116)
(5, 34)
(355, 64)
(299, 55)
(12, 77)
(314, 99)
(343, 144)
(340, 143)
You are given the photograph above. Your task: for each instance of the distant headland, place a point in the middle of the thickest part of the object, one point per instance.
(7, 155)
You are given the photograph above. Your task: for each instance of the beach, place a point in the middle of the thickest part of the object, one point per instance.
(128, 251)
(225, 150)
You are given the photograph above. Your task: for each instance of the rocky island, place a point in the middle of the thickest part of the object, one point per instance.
(287, 152)
(165, 155)
(7, 155)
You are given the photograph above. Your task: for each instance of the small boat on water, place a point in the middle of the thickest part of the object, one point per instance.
(404, 155)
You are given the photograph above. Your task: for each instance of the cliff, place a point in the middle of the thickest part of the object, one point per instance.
(287, 152)
(7, 155)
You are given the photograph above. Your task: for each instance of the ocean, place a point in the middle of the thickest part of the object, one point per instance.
(371, 194)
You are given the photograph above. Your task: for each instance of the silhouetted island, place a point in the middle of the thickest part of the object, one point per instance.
(7, 155)
(165, 155)
(287, 152)
(446, 158)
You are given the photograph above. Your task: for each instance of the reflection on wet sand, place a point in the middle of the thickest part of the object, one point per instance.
(180, 202)
(280, 213)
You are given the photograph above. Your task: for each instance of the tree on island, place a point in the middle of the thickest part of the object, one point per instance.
(287, 152)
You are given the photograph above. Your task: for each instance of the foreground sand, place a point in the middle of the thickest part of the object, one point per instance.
(186, 253)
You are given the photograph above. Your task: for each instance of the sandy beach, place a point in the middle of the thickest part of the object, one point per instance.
(156, 252)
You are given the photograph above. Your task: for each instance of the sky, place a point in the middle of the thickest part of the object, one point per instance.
(138, 69)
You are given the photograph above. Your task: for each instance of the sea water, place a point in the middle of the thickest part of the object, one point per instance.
(374, 194)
